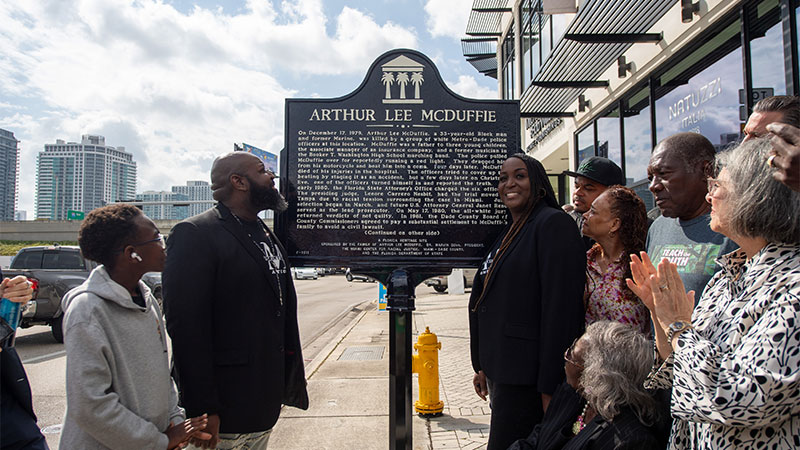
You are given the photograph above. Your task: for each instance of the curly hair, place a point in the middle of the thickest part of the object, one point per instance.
(617, 359)
(105, 230)
(630, 210)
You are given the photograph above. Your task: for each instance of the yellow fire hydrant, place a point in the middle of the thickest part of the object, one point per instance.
(426, 364)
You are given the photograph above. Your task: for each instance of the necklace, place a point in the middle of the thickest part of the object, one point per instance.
(268, 251)
(580, 424)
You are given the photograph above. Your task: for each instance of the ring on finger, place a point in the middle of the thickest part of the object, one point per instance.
(663, 287)
(771, 161)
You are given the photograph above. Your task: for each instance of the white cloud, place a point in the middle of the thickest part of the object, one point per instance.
(175, 89)
(469, 87)
(447, 17)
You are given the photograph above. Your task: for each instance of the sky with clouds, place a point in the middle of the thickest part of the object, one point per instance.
(177, 82)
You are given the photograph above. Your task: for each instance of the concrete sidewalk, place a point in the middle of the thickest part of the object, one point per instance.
(348, 386)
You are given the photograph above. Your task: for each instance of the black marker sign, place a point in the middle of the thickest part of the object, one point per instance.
(401, 171)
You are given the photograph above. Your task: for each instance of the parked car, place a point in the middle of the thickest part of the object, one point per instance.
(304, 273)
(352, 276)
(153, 281)
(322, 271)
(54, 270)
(439, 284)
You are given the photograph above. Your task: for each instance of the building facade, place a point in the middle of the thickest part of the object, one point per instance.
(197, 192)
(614, 77)
(164, 205)
(9, 174)
(73, 176)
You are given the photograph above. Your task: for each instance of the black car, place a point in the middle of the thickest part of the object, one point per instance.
(54, 270)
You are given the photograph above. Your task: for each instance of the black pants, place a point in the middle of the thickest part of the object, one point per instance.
(515, 411)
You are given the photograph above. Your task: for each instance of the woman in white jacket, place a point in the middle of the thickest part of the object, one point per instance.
(119, 391)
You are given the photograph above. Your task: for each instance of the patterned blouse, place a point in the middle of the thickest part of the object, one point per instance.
(735, 377)
(608, 298)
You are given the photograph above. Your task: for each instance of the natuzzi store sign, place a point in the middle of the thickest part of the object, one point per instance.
(402, 171)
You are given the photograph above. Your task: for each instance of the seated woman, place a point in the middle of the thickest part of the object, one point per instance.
(603, 404)
(617, 221)
(733, 362)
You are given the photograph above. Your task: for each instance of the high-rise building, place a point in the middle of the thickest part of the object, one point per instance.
(82, 176)
(163, 205)
(196, 191)
(9, 174)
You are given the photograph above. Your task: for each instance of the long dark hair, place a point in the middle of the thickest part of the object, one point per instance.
(541, 190)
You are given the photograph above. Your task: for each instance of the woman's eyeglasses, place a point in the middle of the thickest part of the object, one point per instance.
(568, 357)
(159, 239)
(713, 185)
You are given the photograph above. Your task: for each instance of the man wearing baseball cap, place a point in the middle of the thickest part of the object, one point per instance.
(594, 175)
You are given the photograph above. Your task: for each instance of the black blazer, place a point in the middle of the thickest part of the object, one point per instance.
(236, 348)
(625, 432)
(533, 308)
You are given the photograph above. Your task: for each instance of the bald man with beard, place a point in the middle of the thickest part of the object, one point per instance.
(231, 310)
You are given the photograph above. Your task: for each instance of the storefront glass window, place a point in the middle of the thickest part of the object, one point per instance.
(585, 143)
(547, 35)
(700, 93)
(608, 141)
(638, 142)
(560, 196)
(766, 50)
(527, 42)
(508, 69)
(558, 27)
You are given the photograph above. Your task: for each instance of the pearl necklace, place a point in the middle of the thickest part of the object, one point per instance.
(579, 424)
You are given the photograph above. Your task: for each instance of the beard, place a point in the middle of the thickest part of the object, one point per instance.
(266, 197)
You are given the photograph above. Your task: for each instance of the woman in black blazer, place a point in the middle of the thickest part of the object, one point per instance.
(603, 405)
(526, 305)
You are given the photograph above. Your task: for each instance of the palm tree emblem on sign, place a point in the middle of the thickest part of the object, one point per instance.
(402, 80)
(396, 72)
(387, 79)
(416, 80)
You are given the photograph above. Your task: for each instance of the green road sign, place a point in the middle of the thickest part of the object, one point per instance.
(75, 215)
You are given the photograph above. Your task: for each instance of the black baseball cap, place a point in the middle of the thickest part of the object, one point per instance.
(599, 169)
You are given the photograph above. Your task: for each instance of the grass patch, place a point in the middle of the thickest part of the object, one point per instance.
(10, 248)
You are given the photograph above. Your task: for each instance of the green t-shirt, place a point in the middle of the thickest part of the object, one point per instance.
(691, 245)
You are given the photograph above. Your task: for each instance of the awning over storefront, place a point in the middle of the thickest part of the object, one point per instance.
(588, 53)
(483, 27)
(481, 52)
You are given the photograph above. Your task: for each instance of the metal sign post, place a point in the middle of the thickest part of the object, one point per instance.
(396, 180)
(400, 298)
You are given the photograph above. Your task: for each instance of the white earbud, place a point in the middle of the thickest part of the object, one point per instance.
(136, 256)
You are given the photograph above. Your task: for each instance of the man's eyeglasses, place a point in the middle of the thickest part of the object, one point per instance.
(159, 239)
(568, 355)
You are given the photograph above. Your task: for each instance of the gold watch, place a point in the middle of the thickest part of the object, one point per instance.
(677, 327)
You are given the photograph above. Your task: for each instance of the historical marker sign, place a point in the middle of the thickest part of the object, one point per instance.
(402, 171)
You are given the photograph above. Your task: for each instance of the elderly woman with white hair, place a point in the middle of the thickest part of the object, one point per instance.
(733, 362)
(603, 404)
